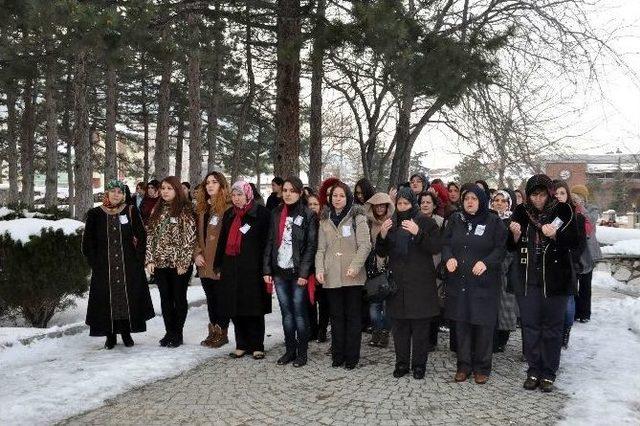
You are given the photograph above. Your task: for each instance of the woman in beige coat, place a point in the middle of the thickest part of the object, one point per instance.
(343, 247)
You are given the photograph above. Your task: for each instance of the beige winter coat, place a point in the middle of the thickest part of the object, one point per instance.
(376, 224)
(340, 248)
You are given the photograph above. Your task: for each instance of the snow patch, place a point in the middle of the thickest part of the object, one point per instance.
(625, 248)
(22, 229)
(5, 211)
(609, 235)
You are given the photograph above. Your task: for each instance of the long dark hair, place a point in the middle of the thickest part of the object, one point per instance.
(176, 207)
(366, 188)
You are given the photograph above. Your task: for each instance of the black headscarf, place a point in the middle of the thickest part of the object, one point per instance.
(335, 217)
(544, 182)
(403, 237)
(483, 206)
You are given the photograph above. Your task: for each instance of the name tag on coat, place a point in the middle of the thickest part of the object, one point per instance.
(213, 221)
(480, 230)
(298, 220)
(245, 228)
(346, 230)
(173, 220)
(123, 219)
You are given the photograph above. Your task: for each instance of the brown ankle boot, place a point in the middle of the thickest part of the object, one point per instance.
(211, 337)
(221, 338)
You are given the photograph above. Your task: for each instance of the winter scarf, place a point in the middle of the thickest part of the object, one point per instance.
(403, 237)
(234, 240)
(335, 217)
(287, 210)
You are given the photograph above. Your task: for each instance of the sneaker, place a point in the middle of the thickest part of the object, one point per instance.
(546, 385)
(531, 383)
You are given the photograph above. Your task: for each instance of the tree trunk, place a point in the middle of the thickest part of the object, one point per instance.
(51, 179)
(161, 157)
(287, 161)
(12, 148)
(212, 134)
(27, 141)
(214, 102)
(110, 149)
(81, 139)
(402, 154)
(68, 134)
(195, 117)
(179, 145)
(244, 110)
(145, 118)
(315, 120)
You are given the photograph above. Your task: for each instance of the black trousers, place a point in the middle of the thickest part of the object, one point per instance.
(583, 299)
(345, 312)
(249, 332)
(542, 325)
(318, 313)
(210, 291)
(474, 344)
(433, 332)
(173, 298)
(500, 338)
(411, 337)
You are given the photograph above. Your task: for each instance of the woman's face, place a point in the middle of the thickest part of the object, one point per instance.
(140, 190)
(116, 196)
(185, 190)
(416, 185)
(212, 186)
(561, 194)
(239, 199)
(402, 205)
(519, 199)
(471, 203)
(338, 198)
(539, 199)
(167, 192)
(152, 192)
(289, 194)
(500, 204)
(454, 194)
(359, 194)
(380, 210)
(426, 205)
(314, 204)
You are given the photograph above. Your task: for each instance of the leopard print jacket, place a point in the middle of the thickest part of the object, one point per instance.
(171, 241)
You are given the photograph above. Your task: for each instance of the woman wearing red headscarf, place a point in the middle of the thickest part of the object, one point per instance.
(244, 297)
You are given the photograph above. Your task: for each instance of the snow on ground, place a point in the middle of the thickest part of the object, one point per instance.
(75, 316)
(625, 247)
(22, 229)
(5, 211)
(600, 368)
(609, 235)
(53, 379)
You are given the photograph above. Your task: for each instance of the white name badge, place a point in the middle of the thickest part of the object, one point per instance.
(480, 230)
(557, 222)
(124, 219)
(346, 230)
(298, 220)
(213, 221)
(245, 228)
(173, 220)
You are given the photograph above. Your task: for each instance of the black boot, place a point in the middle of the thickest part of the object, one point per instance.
(127, 340)
(165, 340)
(419, 372)
(286, 358)
(301, 359)
(401, 370)
(111, 341)
(565, 338)
(322, 335)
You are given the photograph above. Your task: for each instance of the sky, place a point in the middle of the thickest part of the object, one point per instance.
(610, 107)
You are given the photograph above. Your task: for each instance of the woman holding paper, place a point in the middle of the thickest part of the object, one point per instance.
(212, 202)
(473, 250)
(243, 295)
(343, 247)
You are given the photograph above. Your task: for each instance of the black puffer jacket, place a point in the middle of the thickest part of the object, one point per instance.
(304, 241)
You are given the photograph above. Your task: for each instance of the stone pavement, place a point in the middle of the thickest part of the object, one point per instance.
(248, 392)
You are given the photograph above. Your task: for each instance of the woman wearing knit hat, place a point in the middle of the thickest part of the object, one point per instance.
(113, 243)
(244, 296)
(543, 234)
(410, 239)
(473, 250)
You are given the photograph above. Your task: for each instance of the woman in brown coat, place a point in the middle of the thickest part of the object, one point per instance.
(212, 201)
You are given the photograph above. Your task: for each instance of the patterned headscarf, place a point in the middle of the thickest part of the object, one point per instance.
(243, 187)
(113, 184)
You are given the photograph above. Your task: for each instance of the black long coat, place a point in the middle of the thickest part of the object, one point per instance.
(415, 273)
(241, 290)
(472, 298)
(95, 249)
(304, 233)
(558, 277)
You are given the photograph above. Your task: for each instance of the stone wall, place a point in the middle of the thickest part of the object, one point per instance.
(624, 269)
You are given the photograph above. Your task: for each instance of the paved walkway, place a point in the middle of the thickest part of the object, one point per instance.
(245, 391)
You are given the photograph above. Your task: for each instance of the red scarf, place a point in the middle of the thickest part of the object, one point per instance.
(283, 222)
(234, 240)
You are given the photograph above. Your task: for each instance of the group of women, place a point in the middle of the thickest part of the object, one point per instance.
(467, 256)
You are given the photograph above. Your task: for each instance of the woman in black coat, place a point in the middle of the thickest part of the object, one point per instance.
(544, 233)
(410, 239)
(243, 295)
(114, 245)
(473, 250)
(288, 263)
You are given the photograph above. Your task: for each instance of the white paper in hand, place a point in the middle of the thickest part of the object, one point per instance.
(557, 223)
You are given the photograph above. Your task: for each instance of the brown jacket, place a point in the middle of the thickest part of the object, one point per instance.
(376, 224)
(340, 248)
(209, 226)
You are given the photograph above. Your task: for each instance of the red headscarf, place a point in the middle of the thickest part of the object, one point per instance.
(234, 240)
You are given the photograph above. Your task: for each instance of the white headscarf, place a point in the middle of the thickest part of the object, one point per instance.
(507, 213)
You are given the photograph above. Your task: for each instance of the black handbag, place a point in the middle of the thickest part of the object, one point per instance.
(379, 284)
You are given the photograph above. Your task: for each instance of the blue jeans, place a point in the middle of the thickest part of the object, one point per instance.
(293, 300)
(378, 316)
(569, 317)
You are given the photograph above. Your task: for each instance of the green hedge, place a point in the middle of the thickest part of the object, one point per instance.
(37, 278)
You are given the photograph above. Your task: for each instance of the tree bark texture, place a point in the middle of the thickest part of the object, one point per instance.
(27, 141)
(161, 156)
(81, 139)
(145, 119)
(195, 116)
(12, 144)
(179, 145)
(110, 148)
(51, 176)
(315, 122)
